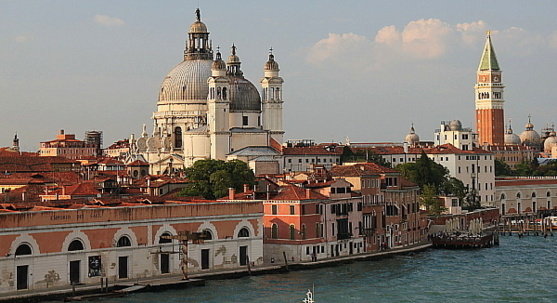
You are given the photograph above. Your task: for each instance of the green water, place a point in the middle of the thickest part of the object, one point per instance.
(519, 270)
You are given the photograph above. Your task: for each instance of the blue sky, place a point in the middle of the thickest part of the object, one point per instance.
(359, 69)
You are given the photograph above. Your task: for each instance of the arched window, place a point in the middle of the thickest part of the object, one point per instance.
(518, 195)
(503, 196)
(224, 93)
(533, 195)
(277, 93)
(178, 137)
(124, 241)
(209, 235)
(274, 231)
(23, 249)
(548, 194)
(243, 233)
(292, 232)
(163, 240)
(75, 245)
(303, 231)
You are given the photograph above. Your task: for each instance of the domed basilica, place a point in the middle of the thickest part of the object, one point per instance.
(207, 109)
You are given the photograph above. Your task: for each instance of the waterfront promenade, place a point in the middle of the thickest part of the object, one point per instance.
(174, 281)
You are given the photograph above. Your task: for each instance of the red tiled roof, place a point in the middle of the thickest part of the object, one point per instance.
(138, 163)
(312, 150)
(519, 182)
(360, 169)
(292, 192)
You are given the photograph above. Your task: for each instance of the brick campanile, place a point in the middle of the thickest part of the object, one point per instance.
(489, 98)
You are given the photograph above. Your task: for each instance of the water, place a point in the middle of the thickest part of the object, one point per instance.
(520, 270)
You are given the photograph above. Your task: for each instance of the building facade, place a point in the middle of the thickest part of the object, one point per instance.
(56, 247)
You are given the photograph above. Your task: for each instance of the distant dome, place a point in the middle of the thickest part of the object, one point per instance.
(455, 125)
(530, 137)
(218, 64)
(271, 63)
(244, 96)
(549, 143)
(198, 27)
(187, 81)
(412, 138)
(512, 139)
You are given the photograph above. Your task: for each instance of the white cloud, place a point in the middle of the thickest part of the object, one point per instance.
(108, 21)
(337, 47)
(22, 38)
(425, 38)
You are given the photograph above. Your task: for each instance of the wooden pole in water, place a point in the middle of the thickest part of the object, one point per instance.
(285, 260)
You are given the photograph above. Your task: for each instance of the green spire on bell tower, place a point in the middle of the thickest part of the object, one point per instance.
(489, 60)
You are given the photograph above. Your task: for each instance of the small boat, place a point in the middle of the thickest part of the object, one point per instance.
(309, 297)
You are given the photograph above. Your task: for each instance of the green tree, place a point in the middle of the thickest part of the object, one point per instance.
(425, 172)
(431, 201)
(502, 168)
(455, 188)
(211, 179)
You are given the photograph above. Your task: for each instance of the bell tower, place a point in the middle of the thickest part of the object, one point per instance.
(271, 85)
(489, 98)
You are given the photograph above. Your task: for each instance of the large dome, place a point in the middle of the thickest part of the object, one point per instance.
(530, 137)
(187, 81)
(243, 95)
(512, 139)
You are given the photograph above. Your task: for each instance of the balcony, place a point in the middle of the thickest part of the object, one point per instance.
(344, 236)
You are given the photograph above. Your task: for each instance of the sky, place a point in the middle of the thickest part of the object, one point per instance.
(363, 70)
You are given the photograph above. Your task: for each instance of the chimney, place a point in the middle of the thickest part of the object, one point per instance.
(246, 187)
(405, 147)
(61, 132)
(23, 196)
(308, 193)
(231, 193)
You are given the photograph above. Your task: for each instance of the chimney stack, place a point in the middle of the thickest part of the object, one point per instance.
(308, 193)
(231, 193)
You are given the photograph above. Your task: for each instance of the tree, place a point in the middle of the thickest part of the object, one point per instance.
(502, 168)
(212, 178)
(425, 172)
(430, 200)
(455, 188)
(363, 155)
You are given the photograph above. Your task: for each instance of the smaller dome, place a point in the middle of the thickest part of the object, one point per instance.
(529, 126)
(198, 27)
(218, 64)
(455, 125)
(512, 139)
(530, 137)
(271, 63)
(549, 143)
(412, 137)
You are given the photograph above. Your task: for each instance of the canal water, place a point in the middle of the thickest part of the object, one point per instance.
(519, 270)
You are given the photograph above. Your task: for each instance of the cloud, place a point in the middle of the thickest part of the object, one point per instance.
(108, 21)
(337, 47)
(425, 38)
(23, 38)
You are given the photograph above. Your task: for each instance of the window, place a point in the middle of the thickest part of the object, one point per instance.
(292, 232)
(23, 249)
(244, 120)
(75, 245)
(124, 241)
(165, 240)
(178, 137)
(292, 210)
(274, 231)
(303, 231)
(274, 209)
(243, 233)
(208, 234)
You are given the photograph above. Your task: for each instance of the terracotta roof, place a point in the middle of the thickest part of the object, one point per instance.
(313, 150)
(138, 163)
(360, 169)
(440, 149)
(292, 192)
(31, 163)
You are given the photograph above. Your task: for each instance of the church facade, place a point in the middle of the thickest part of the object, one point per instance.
(207, 109)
